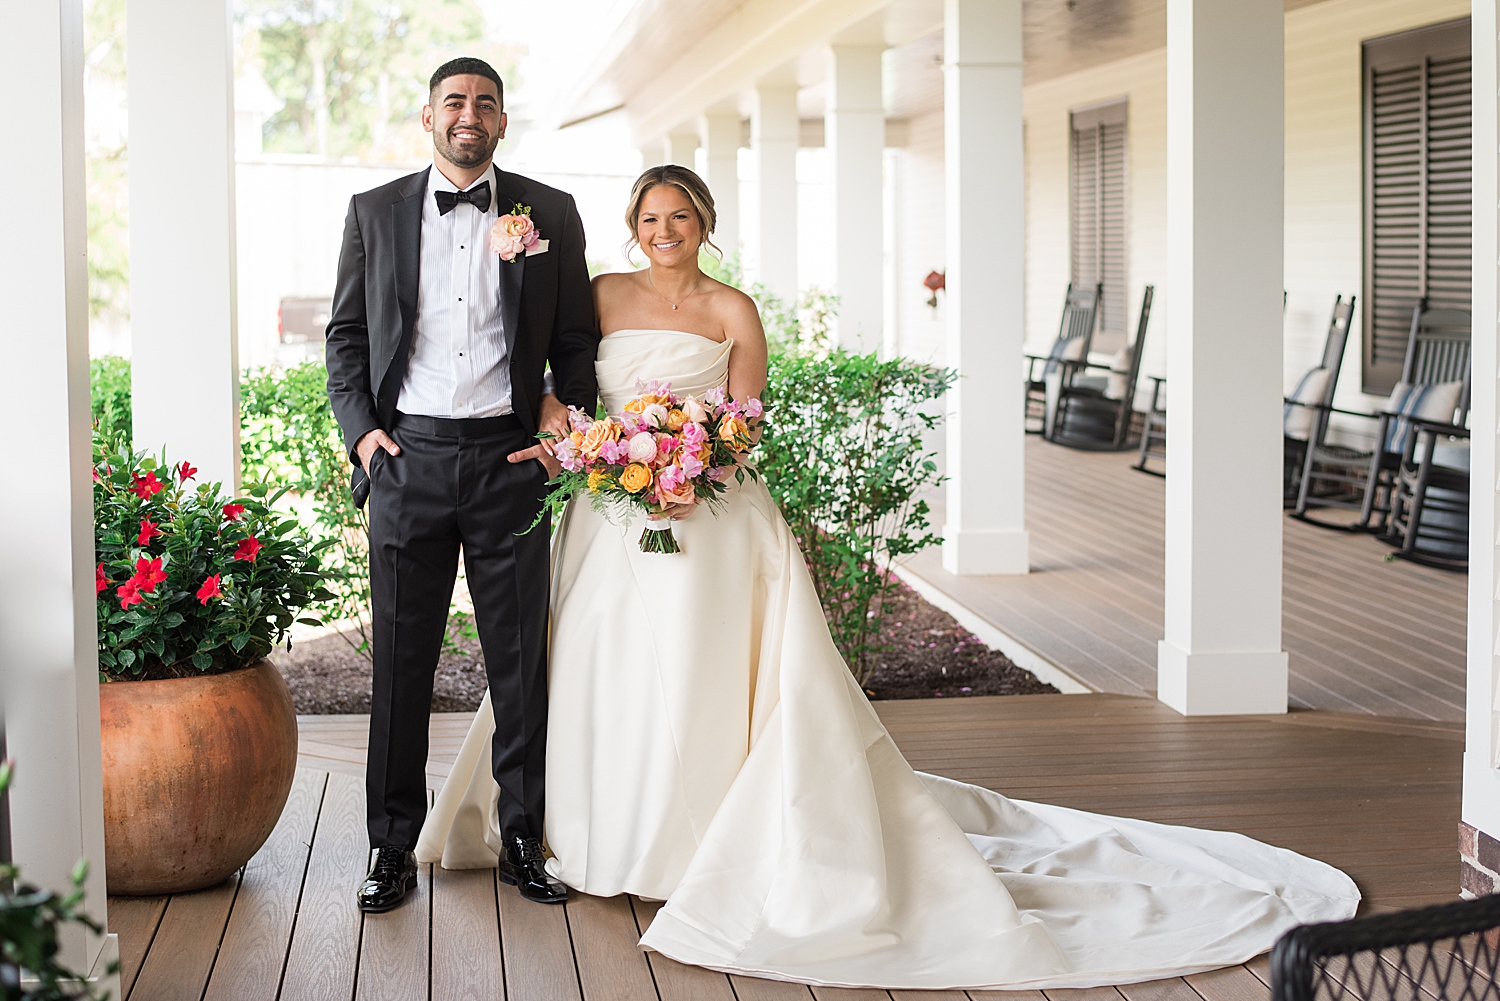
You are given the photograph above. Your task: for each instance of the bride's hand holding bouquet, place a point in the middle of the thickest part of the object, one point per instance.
(662, 455)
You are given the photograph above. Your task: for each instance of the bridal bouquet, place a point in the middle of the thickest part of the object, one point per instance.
(661, 456)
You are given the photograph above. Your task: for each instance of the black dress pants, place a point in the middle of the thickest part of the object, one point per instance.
(449, 489)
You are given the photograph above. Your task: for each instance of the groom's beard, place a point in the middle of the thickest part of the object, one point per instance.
(469, 155)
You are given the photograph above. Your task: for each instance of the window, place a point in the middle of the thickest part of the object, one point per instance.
(1098, 213)
(1417, 187)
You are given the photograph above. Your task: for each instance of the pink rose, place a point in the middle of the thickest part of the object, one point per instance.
(695, 411)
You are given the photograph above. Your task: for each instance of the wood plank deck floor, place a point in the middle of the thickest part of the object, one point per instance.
(1364, 635)
(1377, 797)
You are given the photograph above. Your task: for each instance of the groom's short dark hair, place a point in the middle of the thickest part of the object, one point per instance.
(467, 66)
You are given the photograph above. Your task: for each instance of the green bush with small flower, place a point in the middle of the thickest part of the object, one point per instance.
(189, 581)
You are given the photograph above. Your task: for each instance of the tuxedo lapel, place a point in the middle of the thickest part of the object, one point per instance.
(508, 192)
(406, 228)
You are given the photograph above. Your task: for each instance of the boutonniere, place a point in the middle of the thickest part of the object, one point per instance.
(514, 233)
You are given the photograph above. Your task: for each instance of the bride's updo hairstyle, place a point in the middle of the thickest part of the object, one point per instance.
(683, 180)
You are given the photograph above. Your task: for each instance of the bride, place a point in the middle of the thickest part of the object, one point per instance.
(708, 747)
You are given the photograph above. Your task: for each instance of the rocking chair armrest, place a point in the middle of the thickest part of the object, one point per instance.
(1441, 428)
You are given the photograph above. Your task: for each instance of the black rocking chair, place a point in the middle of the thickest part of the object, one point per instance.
(1097, 412)
(1444, 953)
(1305, 417)
(1075, 336)
(1434, 389)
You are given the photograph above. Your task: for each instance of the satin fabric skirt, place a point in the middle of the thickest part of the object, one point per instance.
(708, 747)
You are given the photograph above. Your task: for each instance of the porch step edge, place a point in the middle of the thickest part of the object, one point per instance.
(993, 636)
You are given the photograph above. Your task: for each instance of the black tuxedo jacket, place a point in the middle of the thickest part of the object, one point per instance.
(548, 311)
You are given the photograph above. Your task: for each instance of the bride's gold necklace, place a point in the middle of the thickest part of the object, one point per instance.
(669, 302)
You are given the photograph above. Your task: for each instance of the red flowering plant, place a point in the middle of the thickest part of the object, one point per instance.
(189, 581)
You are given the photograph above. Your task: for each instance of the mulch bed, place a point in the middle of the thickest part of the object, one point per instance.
(928, 655)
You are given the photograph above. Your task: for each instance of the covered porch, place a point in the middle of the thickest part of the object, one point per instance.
(1377, 797)
(1362, 634)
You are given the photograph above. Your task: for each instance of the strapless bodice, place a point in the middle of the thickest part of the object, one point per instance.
(691, 363)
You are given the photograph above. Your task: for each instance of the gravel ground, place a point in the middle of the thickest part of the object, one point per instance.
(928, 655)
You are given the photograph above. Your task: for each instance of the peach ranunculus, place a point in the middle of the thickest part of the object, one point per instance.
(512, 234)
(600, 432)
(635, 478)
(734, 432)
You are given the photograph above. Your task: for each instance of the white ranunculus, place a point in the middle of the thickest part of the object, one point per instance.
(642, 447)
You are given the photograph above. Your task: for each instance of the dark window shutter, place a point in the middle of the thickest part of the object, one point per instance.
(1098, 209)
(1417, 186)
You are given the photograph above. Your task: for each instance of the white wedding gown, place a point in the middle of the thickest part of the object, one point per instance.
(708, 747)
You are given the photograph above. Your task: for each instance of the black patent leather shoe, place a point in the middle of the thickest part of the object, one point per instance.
(524, 867)
(391, 878)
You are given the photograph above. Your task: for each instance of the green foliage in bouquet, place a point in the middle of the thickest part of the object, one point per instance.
(188, 581)
(29, 920)
(289, 439)
(847, 460)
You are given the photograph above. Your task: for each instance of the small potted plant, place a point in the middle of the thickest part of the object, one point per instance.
(30, 919)
(193, 589)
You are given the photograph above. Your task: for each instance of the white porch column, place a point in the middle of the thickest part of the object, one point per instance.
(985, 220)
(1481, 799)
(774, 131)
(1222, 652)
(721, 142)
(185, 377)
(679, 148)
(855, 135)
(49, 687)
(653, 154)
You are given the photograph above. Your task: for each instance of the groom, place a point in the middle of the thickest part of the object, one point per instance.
(436, 354)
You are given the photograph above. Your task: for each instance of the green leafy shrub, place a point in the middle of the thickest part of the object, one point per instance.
(109, 395)
(29, 919)
(188, 581)
(844, 457)
(289, 440)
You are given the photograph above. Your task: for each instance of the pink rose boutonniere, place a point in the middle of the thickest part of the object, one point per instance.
(514, 234)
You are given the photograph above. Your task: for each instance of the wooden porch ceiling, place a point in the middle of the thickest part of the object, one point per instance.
(1378, 798)
(1363, 634)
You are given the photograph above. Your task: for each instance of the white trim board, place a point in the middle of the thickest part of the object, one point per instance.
(993, 637)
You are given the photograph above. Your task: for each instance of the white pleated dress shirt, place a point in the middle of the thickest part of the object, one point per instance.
(458, 365)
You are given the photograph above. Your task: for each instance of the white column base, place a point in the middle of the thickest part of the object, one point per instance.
(1221, 684)
(972, 552)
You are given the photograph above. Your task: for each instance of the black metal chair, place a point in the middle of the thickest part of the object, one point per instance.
(1305, 414)
(1434, 388)
(1097, 412)
(1448, 952)
(1075, 336)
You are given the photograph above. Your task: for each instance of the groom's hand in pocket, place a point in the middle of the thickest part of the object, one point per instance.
(542, 452)
(367, 445)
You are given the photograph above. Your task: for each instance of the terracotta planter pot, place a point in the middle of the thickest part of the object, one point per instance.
(196, 773)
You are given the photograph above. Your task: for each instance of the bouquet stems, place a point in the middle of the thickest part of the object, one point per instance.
(658, 537)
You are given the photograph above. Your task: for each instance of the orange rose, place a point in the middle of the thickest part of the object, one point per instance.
(635, 478)
(734, 432)
(678, 503)
(598, 433)
(676, 419)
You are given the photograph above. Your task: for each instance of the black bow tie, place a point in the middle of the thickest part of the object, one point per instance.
(477, 196)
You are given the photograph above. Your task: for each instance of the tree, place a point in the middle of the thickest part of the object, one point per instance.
(353, 73)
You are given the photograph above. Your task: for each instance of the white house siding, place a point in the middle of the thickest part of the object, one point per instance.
(1142, 80)
(917, 239)
(1323, 177)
